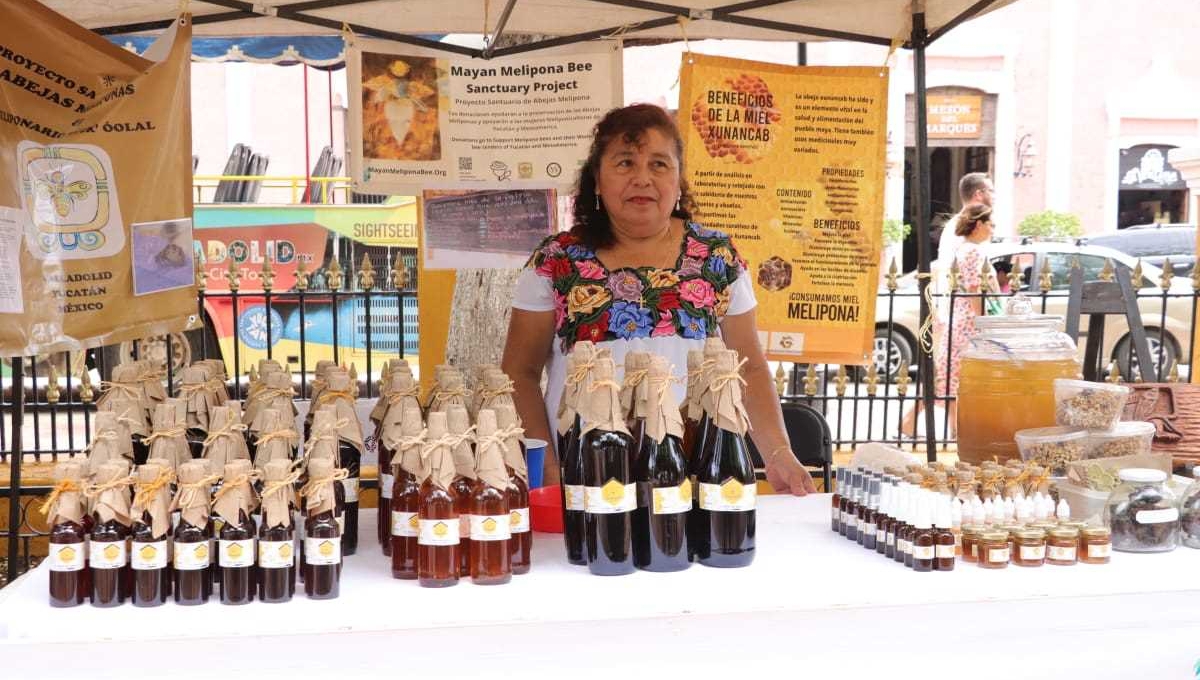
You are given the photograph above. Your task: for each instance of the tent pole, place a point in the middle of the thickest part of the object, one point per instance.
(307, 165)
(14, 464)
(921, 170)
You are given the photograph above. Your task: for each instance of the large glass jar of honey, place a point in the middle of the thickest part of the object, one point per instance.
(1006, 382)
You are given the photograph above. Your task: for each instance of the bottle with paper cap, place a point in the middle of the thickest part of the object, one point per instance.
(401, 398)
(322, 532)
(923, 550)
(726, 512)
(633, 394)
(712, 347)
(438, 534)
(490, 557)
(871, 515)
(692, 410)
(660, 472)
(67, 551)
(235, 547)
(945, 543)
(521, 543)
(191, 582)
(463, 452)
(409, 473)
(571, 472)
(610, 493)
(109, 553)
(149, 533)
(276, 537)
(852, 505)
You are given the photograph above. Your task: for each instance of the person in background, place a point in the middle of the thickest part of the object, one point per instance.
(974, 226)
(636, 272)
(973, 187)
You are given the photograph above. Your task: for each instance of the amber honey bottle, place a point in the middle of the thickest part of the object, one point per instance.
(108, 551)
(943, 540)
(463, 452)
(705, 431)
(402, 395)
(853, 507)
(387, 484)
(871, 515)
(235, 546)
(276, 536)
(521, 542)
(490, 556)
(438, 533)
(67, 552)
(148, 554)
(322, 531)
(923, 549)
(660, 472)
(191, 582)
(409, 472)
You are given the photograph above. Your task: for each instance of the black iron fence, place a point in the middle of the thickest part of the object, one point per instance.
(364, 320)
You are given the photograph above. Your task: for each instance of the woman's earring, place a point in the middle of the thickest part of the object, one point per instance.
(677, 201)
(597, 201)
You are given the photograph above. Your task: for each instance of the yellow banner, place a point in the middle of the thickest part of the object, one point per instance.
(95, 191)
(789, 161)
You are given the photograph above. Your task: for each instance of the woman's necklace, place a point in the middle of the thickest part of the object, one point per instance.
(654, 251)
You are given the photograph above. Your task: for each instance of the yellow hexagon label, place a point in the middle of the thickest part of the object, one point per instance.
(235, 550)
(148, 552)
(67, 554)
(489, 525)
(414, 523)
(685, 490)
(201, 551)
(112, 552)
(613, 492)
(285, 551)
(440, 529)
(731, 491)
(514, 518)
(325, 548)
(658, 502)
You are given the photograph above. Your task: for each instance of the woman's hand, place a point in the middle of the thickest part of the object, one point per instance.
(786, 474)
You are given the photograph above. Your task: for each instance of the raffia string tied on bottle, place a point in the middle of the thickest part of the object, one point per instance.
(236, 493)
(199, 396)
(695, 369)
(276, 393)
(637, 366)
(509, 427)
(491, 446)
(152, 494)
(318, 491)
(168, 439)
(436, 452)
(406, 442)
(451, 391)
(497, 389)
(106, 443)
(463, 433)
(226, 440)
(580, 364)
(663, 416)
(191, 498)
(278, 440)
(124, 384)
(340, 397)
(65, 502)
(726, 387)
(110, 493)
(323, 438)
(278, 494)
(600, 403)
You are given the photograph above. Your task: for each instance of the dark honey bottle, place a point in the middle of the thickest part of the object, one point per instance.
(108, 552)
(438, 533)
(871, 515)
(883, 517)
(704, 432)
(660, 472)
(490, 557)
(191, 582)
(152, 523)
(463, 452)
(852, 506)
(194, 391)
(610, 492)
(943, 539)
(521, 542)
(235, 545)
(633, 386)
(728, 492)
(409, 472)
(322, 531)
(839, 484)
(276, 544)
(67, 552)
(923, 550)
(691, 409)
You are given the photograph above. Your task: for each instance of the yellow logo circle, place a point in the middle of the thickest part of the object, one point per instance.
(489, 525)
(732, 490)
(148, 552)
(685, 490)
(112, 552)
(514, 518)
(67, 554)
(235, 550)
(440, 529)
(285, 551)
(613, 492)
(325, 549)
(201, 551)
(413, 522)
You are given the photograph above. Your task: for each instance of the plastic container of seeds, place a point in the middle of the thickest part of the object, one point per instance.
(1052, 447)
(1128, 438)
(1090, 405)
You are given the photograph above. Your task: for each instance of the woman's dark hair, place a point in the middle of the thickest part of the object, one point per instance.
(630, 125)
(970, 218)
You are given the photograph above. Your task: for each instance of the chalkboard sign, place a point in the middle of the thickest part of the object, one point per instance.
(460, 227)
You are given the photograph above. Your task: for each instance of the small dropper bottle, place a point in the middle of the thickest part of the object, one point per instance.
(839, 484)
(944, 546)
(881, 517)
(852, 508)
(923, 550)
(871, 516)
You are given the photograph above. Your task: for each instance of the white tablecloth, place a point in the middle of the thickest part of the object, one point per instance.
(812, 603)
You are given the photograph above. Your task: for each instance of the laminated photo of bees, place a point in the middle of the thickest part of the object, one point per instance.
(400, 108)
(162, 256)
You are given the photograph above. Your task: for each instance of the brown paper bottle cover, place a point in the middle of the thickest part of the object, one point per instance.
(459, 423)
(386, 386)
(107, 443)
(402, 394)
(663, 417)
(435, 454)
(636, 365)
(323, 439)
(491, 467)
(195, 484)
(729, 413)
(65, 502)
(124, 385)
(276, 440)
(601, 401)
(168, 440)
(318, 384)
(496, 389)
(712, 349)
(235, 493)
(478, 383)
(406, 443)
(451, 390)
(581, 361)
(111, 492)
(278, 496)
(509, 427)
(132, 420)
(566, 403)
(318, 492)
(340, 396)
(150, 375)
(152, 493)
(695, 362)
(226, 441)
(198, 394)
(276, 392)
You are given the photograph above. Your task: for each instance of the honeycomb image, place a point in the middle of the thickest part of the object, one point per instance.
(774, 274)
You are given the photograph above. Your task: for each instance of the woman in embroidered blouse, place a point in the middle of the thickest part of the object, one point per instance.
(635, 273)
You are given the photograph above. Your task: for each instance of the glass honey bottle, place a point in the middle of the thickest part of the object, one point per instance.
(521, 543)
(403, 395)
(463, 452)
(852, 505)
(490, 557)
(322, 532)
(67, 551)
(923, 549)
(571, 455)
(691, 409)
(633, 384)
(235, 542)
(109, 554)
(190, 578)
(611, 495)
(660, 472)
(438, 533)
(728, 491)
(409, 472)
(871, 516)
(704, 432)
(839, 482)
(276, 534)
(151, 525)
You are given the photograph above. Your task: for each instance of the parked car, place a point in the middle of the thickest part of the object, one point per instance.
(896, 343)
(1154, 244)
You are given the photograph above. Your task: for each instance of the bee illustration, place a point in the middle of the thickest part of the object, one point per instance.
(63, 195)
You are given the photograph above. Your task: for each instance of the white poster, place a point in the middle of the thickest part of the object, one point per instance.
(421, 117)
(11, 232)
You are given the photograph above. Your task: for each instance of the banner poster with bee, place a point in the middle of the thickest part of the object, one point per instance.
(790, 162)
(95, 185)
(421, 118)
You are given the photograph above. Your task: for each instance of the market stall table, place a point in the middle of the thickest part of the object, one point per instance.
(811, 603)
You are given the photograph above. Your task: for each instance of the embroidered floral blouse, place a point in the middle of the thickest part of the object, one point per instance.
(664, 311)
